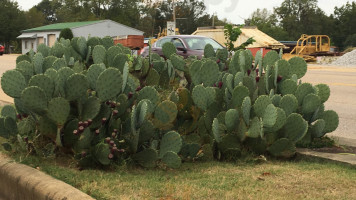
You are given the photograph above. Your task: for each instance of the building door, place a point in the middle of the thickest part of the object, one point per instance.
(40, 40)
(51, 39)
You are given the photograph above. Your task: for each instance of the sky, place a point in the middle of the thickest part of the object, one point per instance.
(234, 11)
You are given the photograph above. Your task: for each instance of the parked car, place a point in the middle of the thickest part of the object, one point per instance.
(2, 50)
(187, 45)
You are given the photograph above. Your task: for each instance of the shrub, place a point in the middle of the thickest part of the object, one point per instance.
(66, 34)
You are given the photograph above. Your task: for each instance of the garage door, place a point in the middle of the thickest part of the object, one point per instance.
(51, 39)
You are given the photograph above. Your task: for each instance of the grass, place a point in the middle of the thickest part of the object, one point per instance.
(302, 178)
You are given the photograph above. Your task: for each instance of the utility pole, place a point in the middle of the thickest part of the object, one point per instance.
(174, 11)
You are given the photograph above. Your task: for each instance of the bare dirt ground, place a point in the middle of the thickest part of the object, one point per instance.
(7, 62)
(342, 82)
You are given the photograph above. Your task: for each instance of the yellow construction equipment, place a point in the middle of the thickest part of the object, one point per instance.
(310, 46)
(163, 33)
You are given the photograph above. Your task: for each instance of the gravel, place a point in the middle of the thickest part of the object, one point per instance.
(348, 59)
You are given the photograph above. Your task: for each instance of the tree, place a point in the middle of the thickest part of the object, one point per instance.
(66, 34)
(34, 18)
(48, 8)
(345, 20)
(12, 21)
(301, 17)
(268, 23)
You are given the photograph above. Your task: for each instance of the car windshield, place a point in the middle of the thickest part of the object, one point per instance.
(198, 43)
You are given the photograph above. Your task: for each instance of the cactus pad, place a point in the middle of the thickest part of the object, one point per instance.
(238, 95)
(203, 97)
(256, 128)
(303, 90)
(295, 127)
(289, 104)
(93, 73)
(111, 54)
(283, 68)
(34, 99)
(76, 86)
(90, 109)
(323, 91)
(171, 142)
(282, 148)
(172, 160)
(109, 84)
(331, 119)
(311, 103)
(194, 71)
(209, 51)
(270, 116)
(43, 82)
(209, 73)
(58, 110)
(48, 62)
(298, 66)
(99, 54)
(149, 93)
(317, 127)
(101, 153)
(59, 63)
(231, 119)
(270, 59)
(165, 113)
(13, 83)
(8, 111)
(168, 49)
(38, 63)
(261, 104)
(146, 158)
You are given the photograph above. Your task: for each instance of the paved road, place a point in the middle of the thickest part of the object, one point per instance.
(342, 82)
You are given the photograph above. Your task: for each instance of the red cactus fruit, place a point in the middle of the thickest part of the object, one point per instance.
(85, 124)
(75, 132)
(103, 120)
(218, 61)
(19, 117)
(220, 85)
(84, 154)
(81, 129)
(257, 79)
(80, 124)
(115, 112)
(90, 121)
(279, 78)
(107, 140)
(130, 95)
(248, 72)
(115, 130)
(111, 156)
(25, 139)
(97, 132)
(138, 88)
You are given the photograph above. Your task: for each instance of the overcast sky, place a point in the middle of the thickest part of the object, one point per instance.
(234, 11)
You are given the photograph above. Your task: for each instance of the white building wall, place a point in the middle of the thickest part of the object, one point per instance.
(35, 41)
(105, 28)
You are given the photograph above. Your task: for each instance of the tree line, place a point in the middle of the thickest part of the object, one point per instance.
(296, 17)
(286, 22)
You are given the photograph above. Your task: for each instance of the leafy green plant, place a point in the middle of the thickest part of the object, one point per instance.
(231, 34)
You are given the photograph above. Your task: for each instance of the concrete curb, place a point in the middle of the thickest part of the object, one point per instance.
(18, 181)
(341, 158)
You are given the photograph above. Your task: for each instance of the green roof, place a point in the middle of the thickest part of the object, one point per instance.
(60, 26)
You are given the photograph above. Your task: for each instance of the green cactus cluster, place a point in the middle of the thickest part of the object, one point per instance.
(98, 101)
